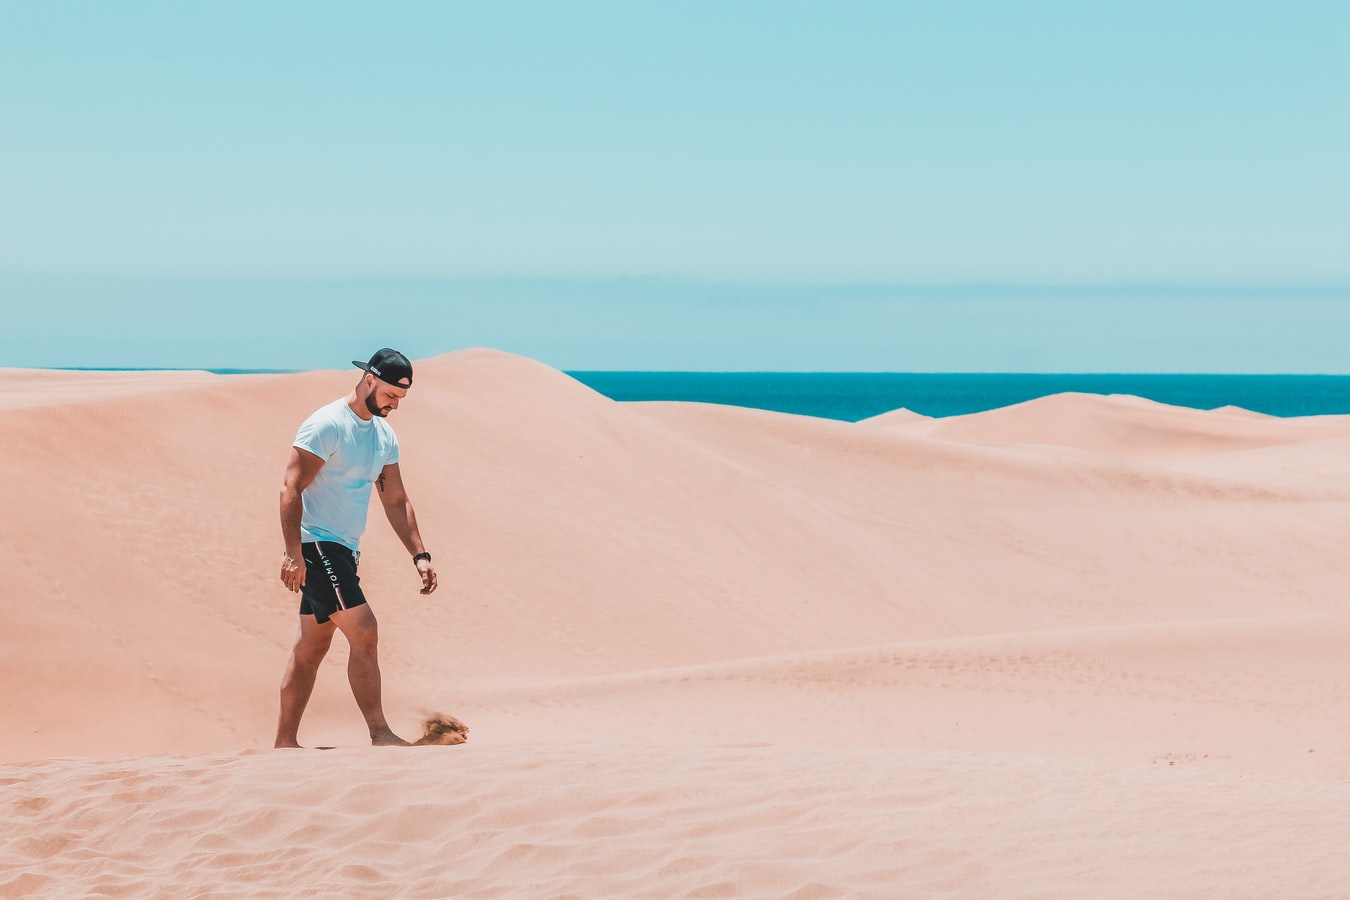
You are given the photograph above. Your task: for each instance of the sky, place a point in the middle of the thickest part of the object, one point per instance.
(877, 186)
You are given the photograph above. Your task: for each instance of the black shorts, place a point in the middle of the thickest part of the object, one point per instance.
(330, 580)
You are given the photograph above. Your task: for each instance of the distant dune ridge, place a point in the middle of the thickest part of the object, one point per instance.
(1081, 646)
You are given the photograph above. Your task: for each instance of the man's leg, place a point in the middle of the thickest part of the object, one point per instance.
(363, 670)
(311, 643)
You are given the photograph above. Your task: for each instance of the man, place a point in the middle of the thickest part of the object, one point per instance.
(338, 453)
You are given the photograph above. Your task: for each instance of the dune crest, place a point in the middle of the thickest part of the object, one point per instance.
(1131, 427)
(899, 416)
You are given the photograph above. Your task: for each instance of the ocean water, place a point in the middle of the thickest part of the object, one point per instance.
(851, 396)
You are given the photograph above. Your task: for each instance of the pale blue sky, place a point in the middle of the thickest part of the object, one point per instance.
(951, 186)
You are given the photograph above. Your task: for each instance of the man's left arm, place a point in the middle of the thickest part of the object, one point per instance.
(399, 510)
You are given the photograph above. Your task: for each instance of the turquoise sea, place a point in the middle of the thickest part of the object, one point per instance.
(852, 395)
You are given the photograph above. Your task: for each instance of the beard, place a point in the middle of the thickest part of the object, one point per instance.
(375, 410)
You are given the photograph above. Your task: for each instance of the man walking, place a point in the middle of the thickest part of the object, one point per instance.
(338, 453)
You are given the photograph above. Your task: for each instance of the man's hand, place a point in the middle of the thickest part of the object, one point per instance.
(293, 570)
(428, 573)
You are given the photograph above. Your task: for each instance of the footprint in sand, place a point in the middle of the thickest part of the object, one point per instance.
(442, 729)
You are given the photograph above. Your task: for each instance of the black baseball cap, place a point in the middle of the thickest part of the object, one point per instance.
(389, 366)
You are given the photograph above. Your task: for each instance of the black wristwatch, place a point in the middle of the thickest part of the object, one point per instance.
(423, 555)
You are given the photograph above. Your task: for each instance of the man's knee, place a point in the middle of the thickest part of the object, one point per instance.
(311, 646)
(359, 626)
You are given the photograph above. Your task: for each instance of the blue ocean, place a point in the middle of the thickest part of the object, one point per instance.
(851, 396)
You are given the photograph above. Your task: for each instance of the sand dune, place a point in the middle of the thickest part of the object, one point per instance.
(27, 388)
(1131, 427)
(654, 821)
(1079, 646)
(899, 416)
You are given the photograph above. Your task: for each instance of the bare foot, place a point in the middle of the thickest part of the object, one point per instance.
(286, 745)
(388, 739)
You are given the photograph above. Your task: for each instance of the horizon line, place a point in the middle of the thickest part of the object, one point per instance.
(241, 370)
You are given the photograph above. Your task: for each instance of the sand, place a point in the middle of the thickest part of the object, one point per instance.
(1081, 646)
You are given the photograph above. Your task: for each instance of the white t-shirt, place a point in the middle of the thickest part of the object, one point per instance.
(354, 451)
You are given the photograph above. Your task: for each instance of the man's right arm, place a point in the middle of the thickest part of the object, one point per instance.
(300, 471)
